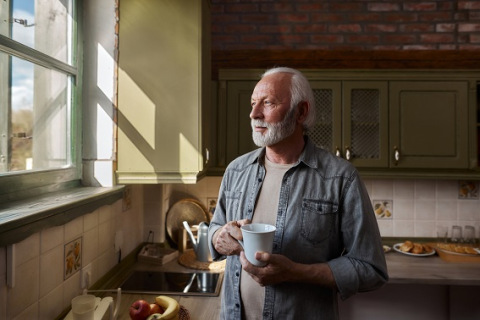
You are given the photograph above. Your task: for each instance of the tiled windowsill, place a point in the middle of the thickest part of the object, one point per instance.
(20, 219)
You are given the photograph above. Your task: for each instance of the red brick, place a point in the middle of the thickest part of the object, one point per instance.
(277, 7)
(418, 47)
(341, 28)
(240, 28)
(366, 17)
(363, 39)
(327, 39)
(399, 38)
(469, 5)
(285, 38)
(469, 47)
(381, 28)
(292, 17)
(346, 6)
(416, 27)
(422, 6)
(475, 38)
(257, 18)
(311, 7)
(382, 6)
(275, 29)
(468, 27)
(437, 38)
(445, 27)
(310, 28)
(435, 16)
(326, 17)
(400, 17)
(241, 8)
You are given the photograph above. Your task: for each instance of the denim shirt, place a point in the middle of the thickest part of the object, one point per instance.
(324, 215)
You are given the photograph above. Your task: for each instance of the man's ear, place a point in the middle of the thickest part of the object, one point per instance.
(303, 108)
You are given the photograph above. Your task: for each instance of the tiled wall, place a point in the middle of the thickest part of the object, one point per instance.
(41, 290)
(419, 206)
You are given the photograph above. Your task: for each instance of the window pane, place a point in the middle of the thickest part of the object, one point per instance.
(44, 25)
(39, 126)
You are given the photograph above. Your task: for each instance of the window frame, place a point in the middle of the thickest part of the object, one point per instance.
(22, 185)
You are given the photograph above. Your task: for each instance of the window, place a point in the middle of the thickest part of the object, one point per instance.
(38, 85)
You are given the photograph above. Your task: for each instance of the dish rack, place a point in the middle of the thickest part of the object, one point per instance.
(104, 308)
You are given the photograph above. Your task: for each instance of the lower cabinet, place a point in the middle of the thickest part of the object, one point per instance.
(387, 123)
(413, 302)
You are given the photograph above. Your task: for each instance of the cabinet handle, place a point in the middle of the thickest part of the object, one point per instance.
(348, 154)
(396, 155)
(337, 152)
(207, 156)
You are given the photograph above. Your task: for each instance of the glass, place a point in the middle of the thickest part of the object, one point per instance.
(37, 117)
(456, 234)
(469, 235)
(442, 233)
(45, 26)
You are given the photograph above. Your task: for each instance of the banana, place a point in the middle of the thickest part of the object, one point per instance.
(170, 306)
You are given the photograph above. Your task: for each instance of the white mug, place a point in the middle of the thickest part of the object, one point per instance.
(257, 237)
(83, 307)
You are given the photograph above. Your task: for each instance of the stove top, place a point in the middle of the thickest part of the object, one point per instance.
(176, 283)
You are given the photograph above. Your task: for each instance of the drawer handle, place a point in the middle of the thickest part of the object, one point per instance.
(396, 155)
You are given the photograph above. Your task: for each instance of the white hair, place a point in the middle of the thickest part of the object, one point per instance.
(300, 91)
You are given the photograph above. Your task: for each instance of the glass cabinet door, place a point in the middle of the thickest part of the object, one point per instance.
(365, 123)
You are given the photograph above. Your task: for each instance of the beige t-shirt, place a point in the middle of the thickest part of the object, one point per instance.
(252, 294)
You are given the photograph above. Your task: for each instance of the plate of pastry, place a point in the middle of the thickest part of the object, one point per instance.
(414, 249)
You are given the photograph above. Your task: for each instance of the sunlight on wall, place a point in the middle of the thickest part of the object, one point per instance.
(104, 131)
(105, 73)
(137, 108)
(187, 157)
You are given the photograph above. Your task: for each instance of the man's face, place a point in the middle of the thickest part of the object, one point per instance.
(272, 118)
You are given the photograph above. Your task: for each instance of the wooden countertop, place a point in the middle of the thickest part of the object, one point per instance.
(406, 269)
(402, 269)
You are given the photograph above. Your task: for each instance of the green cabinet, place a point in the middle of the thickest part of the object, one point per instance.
(429, 124)
(352, 120)
(164, 79)
(387, 123)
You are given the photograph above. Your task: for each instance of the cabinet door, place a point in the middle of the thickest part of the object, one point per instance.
(365, 123)
(163, 90)
(236, 117)
(429, 124)
(327, 132)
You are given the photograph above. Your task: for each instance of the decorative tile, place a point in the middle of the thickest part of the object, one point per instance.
(211, 205)
(383, 209)
(467, 189)
(73, 258)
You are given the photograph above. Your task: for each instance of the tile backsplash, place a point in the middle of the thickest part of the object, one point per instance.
(417, 206)
(42, 291)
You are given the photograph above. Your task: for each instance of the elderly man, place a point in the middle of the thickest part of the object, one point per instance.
(326, 241)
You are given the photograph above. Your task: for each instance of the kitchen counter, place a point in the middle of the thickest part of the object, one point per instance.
(403, 270)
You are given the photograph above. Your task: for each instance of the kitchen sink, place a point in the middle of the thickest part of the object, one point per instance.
(175, 283)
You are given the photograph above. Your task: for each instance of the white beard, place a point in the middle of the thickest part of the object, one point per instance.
(276, 132)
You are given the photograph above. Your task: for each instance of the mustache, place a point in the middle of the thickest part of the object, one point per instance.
(259, 123)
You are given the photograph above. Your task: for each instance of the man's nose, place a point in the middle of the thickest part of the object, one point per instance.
(256, 112)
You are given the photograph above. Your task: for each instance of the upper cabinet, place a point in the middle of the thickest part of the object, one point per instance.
(164, 89)
(387, 123)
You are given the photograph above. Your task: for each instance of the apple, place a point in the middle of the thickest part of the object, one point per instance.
(155, 308)
(139, 310)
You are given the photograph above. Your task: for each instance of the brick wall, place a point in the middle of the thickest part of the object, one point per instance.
(345, 25)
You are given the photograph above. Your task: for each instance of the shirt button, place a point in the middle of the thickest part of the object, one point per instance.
(259, 179)
(237, 305)
(237, 274)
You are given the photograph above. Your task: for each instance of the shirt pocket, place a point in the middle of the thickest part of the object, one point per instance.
(318, 220)
(232, 205)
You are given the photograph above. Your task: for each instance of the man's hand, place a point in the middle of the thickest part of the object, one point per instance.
(279, 268)
(225, 239)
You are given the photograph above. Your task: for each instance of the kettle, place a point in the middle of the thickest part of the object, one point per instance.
(200, 245)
